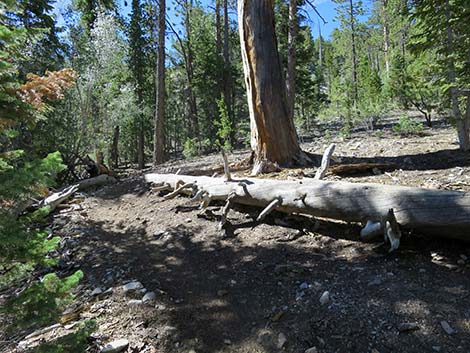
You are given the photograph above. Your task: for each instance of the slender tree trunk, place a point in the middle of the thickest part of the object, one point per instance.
(273, 135)
(291, 43)
(114, 152)
(159, 132)
(136, 61)
(463, 125)
(404, 28)
(218, 28)
(193, 118)
(386, 32)
(227, 73)
(354, 58)
(320, 49)
(140, 142)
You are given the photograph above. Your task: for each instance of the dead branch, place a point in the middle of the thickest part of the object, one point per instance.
(325, 162)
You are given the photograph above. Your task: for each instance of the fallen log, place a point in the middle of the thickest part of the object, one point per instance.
(100, 180)
(430, 212)
(57, 198)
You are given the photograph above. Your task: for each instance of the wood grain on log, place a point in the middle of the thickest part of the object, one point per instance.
(435, 212)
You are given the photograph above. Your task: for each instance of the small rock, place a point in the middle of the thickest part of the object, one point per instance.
(281, 340)
(149, 296)
(299, 296)
(436, 348)
(134, 302)
(461, 262)
(96, 291)
(115, 346)
(449, 330)
(227, 342)
(132, 287)
(376, 281)
(188, 220)
(463, 257)
(422, 270)
(325, 298)
(376, 171)
(222, 292)
(408, 326)
(303, 285)
(311, 350)
(451, 266)
(159, 233)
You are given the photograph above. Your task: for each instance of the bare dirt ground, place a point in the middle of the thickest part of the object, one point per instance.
(259, 289)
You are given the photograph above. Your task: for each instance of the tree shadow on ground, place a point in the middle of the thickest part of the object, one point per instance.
(240, 293)
(438, 160)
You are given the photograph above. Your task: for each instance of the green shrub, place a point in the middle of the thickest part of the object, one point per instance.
(42, 302)
(75, 342)
(407, 127)
(190, 148)
(224, 125)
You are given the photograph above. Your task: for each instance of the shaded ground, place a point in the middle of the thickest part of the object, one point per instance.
(248, 292)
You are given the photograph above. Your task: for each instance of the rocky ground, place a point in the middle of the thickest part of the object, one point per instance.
(160, 278)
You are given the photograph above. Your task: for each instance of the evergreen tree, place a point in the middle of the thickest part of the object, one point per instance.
(136, 58)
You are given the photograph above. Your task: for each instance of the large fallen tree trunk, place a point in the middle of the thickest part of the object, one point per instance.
(434, 212)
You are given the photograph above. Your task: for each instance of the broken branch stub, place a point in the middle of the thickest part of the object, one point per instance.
(325, 162)
(431, 212)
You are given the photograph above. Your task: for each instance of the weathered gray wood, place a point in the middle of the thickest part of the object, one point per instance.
(434, 212)
(100, 180)
(55, 199)
(325, 162)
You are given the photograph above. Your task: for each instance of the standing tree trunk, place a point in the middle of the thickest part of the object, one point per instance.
(218, 28)
(159, 133)
(193, 118)
(114, 151)
(463, 124)
(136, 65)
(273, 135)
(353, 44)
(291, 42)
(227, 74)
(386, 31)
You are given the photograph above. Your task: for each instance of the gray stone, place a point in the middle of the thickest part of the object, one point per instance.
(96, 291)
(325, 298)
(159, 233)
(281, 340)
(115, 346)
(303, 285)
(447, 328)
(149, 296)
(134, 302)
(132, 287)
(376, 281)
(311, 350)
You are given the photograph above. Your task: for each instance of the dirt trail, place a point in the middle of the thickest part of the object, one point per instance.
(259, 289)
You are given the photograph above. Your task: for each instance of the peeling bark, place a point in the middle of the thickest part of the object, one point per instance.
(273, 135)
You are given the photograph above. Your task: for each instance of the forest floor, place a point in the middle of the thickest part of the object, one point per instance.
(259, 289)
